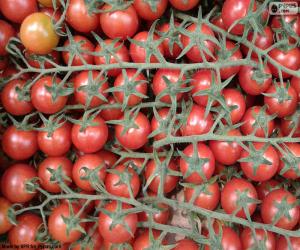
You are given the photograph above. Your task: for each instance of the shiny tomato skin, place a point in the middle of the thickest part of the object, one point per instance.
(234, 10)
(196, 123)
(164, 28)
(264, 172)
(194, 54)
(184, 5)
(56, 144)
(17, 10)
(207, 168)
(218, 21)
(119, 230)
(83, 80)
(170, 181)
(13, 183)
(108, 157)
(134, 138)
(249, 120)
(19, 144)
(159, 84)
(144, 10)
(294, 150)
(115, 186)
(186, 244)
(249, 241)
(264, 188)
(6, 32)
(230, 196)
(282, 243)
(138, 53)
(89, 162)
(281, 108)
(58, 228)
(37, 34)
(250, 85)
(208, 198)
(227, 153)
(10, 98)
(269, 209)
(79, 18)
(295, 83)
(5, 224)
(121, 54)
(25, 231)
(45, 175)
(92, 139)
(86, 46)
(227, 72)
(233, 97)
(120, 23)
(111, 113)
(143, 242)
(289, 59)
(42, 99)
(132, 76)
(263, 41)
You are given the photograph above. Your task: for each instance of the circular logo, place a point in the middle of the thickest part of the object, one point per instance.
(274, 8)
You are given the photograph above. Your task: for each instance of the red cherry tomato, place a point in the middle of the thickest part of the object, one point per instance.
(234, 99)
(111, 113)
(264, 188)
(251, 241)
(6, 32)
(150, 13)
(288, 168)
(184, 5)
(5, 224)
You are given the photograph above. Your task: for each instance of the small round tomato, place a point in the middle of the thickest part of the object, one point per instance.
(25, 232)
(229, 54)
(121, 54)
(254, 81)
(197, 123)
(138, 53)
(6, 32)
(17, 10)
(281, 100)
(164, 77)
(260, 170)
(89, 87)
(257, 120)
(236, 102)
(184, 5)
(84, 46)
(194, 53)
(119, 23)
(60, 170)
(171, 43)
(197, 167)
(208, 197)
(143, 241)
(13, 183)
(289, 59)
(109, 114)
(116, 182)
(227, 153)
(290, 168)
(263, 41)
(235, 197)
(91, 138)
(233, 11)
(19, 144)
(282, 243)
(37, 34)
(186, 244)
(251, 241)
(130, 82)
(57, 226)
(150, 12)
(42, 98)
(5, 224)
(111, 229)
(85, 166)
(56, 143)
(80, 18)
(152, 175)
(13, 100)
(108, 157)
(270, 209)
(202, 80)
(264, 188)
(134, 138)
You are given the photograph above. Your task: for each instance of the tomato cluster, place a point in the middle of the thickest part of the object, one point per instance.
(149, 125)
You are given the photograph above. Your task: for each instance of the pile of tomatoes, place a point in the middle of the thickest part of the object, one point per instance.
(167, 124)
